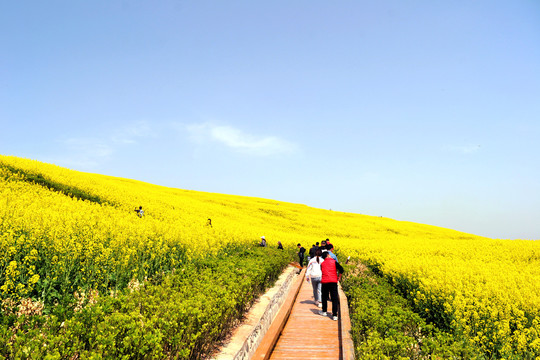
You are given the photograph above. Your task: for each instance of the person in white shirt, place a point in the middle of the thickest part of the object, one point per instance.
(314, 274)
(140, 211)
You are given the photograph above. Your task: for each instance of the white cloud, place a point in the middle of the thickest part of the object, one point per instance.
(240, 141)
(83, 153)
(89, 152)
(89, 147)
(131, 133)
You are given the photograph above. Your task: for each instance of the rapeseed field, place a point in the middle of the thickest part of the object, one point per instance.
(74, 254)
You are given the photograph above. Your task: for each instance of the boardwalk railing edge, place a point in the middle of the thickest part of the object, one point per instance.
(264, 350)
(345, 339)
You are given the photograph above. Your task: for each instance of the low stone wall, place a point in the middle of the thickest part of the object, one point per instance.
(247, 336)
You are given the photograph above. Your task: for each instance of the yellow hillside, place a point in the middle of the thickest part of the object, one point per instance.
(488, 288)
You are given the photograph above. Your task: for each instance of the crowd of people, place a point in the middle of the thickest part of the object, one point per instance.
(323, 271)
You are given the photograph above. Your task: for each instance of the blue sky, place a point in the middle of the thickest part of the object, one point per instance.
(425, 111)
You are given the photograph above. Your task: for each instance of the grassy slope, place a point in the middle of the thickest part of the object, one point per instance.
(440, 260)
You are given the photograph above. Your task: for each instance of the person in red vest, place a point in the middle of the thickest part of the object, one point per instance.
(329, 280)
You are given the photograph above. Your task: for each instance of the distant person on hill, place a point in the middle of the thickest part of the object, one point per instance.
(263, 241)
(209, 222)
(301, 253)
(314, 274)
(329, 280)
(140, 211)
(279, 246)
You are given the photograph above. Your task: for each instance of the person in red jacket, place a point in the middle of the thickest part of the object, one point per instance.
(329, 280)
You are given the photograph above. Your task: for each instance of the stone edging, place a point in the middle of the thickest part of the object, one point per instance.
(246, 338)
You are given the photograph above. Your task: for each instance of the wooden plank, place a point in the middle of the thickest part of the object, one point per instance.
(268, 342)
(306, 334)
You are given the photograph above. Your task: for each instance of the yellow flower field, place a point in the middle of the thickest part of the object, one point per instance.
(489, 289)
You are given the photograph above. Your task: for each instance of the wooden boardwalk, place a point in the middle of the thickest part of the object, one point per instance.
(300, 332)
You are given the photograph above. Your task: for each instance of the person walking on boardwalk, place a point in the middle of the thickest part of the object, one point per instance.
(328, 243)
(314, 274)
(329, 280)
(330, 248)
(312, 251)
(301, 253)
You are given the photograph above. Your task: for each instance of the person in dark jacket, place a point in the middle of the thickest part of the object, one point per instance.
(301, 253)
(329, 284)
(279, 245)
(328, 244)
(312, 252)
